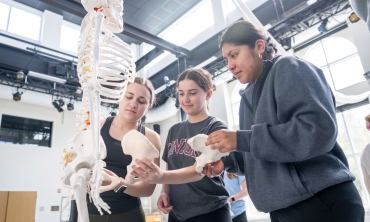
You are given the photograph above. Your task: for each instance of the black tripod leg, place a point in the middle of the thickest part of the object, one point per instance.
(73, 217)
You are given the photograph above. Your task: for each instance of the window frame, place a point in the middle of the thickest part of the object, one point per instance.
(328, 65)
(25, 8)
(16, 114)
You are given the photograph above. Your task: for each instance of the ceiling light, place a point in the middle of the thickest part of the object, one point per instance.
(322, 28)
(46, 77)
(20, 75)
(57, 107)
(17, 96)
(353, 17)
(166, 80)
(367, 75)
(70, 106)
(286, 43)
(61, 102)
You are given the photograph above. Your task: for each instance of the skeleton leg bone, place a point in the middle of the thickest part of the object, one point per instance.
(79, 182)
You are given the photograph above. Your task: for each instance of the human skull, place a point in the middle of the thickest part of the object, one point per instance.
(112, 10)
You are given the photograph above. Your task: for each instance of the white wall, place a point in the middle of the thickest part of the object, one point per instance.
(30, 168)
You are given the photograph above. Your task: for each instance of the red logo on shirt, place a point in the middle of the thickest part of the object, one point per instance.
(182, 148)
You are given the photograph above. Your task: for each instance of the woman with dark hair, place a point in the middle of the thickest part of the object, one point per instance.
(186, 195)
(294, 168)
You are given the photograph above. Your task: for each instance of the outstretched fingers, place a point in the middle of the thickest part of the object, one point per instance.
(147, 171)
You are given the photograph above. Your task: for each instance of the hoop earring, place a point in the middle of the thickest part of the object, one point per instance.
(208, 105)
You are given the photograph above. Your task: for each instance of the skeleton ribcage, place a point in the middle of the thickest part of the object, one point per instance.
(115, 69)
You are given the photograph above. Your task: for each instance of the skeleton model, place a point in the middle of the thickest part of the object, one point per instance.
(105, 67)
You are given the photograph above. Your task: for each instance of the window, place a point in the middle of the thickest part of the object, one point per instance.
(353, 137)
(69, 37)
(338, 59)
(235, 102)
(4, 15)
(20, 22)
(190, 25)
(18, 130)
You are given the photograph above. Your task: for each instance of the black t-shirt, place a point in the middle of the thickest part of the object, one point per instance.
(116, 162)
(196, 198)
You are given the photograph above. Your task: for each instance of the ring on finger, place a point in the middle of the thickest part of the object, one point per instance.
(149, 170)
(219, 146)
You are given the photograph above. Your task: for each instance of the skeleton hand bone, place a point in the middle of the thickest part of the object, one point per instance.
(111, 179)
(208, 155)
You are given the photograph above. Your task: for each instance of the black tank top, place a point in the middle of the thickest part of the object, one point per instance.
(116, 162)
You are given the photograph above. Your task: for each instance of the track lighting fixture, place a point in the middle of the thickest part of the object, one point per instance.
(70, 106)
(57, 107)
(61, 102)
(17, 96)
(353, 17)
(322, 28)
(20, 75)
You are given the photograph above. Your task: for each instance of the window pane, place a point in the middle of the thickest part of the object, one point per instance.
(316, 55)
(328, 77)
(18, 130)
(338, 48)
(25, 24)
(355, 119)
(69, 39)
(191, 25)
(347, 73)
(4, 14)
(236, 112)
(354, 169)
(342, 138)
(253, 212)
(227, 6)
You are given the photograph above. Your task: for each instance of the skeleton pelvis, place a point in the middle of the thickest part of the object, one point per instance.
(82, 149)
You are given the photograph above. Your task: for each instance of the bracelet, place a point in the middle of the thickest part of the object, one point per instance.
(121, 189)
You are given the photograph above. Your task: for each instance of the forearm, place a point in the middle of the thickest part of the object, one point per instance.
(181, 176)
(140, 189)
(241, 195)
(165, 188)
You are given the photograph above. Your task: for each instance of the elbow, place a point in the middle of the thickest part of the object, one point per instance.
(149, 192)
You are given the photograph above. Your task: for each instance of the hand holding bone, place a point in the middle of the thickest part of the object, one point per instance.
(147, 171)
(223, 140)
(138, 146)
(208, 155)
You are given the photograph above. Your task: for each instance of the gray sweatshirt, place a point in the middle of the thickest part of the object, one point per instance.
(288, 136)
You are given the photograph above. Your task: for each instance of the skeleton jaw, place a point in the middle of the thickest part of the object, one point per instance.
(112, 10)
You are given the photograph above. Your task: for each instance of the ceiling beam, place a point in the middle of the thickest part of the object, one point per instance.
(199, 54)
(129, 30)
(147, 58)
